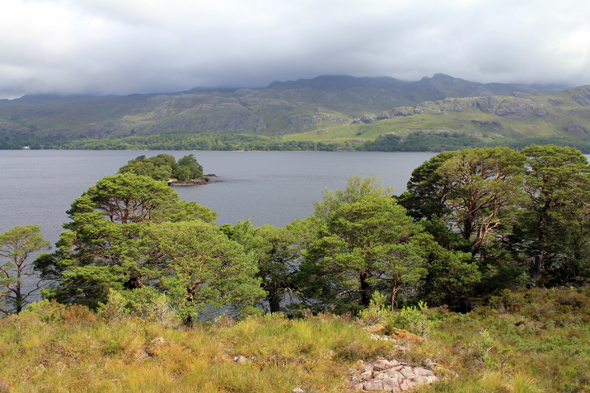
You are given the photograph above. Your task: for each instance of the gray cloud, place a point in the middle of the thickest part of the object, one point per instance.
(127, 46)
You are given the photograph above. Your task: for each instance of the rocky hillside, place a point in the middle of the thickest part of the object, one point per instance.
(329, 104)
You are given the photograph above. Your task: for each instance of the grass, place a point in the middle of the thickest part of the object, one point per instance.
(524, 341)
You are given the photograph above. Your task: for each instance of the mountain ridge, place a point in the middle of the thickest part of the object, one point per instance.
(328, 105)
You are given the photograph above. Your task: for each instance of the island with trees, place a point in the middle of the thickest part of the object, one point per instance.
(480, 272)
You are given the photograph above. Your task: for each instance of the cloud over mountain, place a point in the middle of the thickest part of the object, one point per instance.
(121, 47)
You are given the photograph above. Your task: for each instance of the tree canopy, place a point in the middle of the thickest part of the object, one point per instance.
(470, 224)
(164, 167)
(93, 254)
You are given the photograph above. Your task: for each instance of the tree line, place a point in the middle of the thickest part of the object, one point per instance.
(470, 224)
(413, 142)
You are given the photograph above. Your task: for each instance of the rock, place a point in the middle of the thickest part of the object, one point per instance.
(391, 385)
(487, 104)
(373, 386)
(367, 119)
(426, 106)
(382, 364)
(407, 372)
(375, 329)
(241, 359)
(303, 121)
(459, 104)
(195, 182)
(422, 371)
(392, 373)
(582, 95)
(391, 376)
(298, 390)
(366, 375)
(519, 107)
(381, 376)
(383, 116)
(403, 111)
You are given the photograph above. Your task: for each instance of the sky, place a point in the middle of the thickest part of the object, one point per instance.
(157, 46)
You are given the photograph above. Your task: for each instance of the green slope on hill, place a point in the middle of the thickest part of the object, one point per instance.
(329, 109)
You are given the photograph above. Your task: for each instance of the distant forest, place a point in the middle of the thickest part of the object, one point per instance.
(415, 141)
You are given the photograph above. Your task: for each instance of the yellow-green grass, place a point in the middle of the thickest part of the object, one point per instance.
(513, 127)
(536, 341)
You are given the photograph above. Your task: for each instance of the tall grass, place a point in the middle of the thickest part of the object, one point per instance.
(528, 341)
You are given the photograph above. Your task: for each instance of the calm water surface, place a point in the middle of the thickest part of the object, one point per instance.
(37, 187)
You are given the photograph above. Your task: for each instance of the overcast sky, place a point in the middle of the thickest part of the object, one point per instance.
(144, 46)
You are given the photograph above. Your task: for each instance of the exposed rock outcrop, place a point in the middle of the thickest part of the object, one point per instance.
(520, 107)
(487, 104)
(364, 119)
(391, 376)
(403, 111)
(195, 182)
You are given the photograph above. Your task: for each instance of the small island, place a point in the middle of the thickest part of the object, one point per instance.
(194, 182)
(186, 172)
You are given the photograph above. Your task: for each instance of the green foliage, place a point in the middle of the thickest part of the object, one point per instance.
(16, 245)
(482, 345)
(521, 215)
(366, 243)
(164, 167)
(98, 250)
(377, 310)
(413, 319)
(552, 228)
(356, 189)
(483, 187)
(277, 252)
(426, 193)
(196, 266)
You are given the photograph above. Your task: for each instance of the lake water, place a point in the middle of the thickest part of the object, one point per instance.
(38, 186)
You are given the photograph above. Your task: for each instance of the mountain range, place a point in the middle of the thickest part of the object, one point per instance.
(328, 108)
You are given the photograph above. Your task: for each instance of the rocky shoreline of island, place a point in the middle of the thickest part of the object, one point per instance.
(206, 179)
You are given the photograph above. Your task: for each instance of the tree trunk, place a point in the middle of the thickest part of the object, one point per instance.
(537, 264)
(539, 253)
(274, 301)
(365, 298)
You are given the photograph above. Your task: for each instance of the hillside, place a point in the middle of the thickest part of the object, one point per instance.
(526, 341)
(326, 108)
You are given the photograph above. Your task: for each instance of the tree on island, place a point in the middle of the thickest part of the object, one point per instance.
(16, 245)
(164, 167)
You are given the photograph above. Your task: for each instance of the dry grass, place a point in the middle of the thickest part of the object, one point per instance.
(534, 341)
